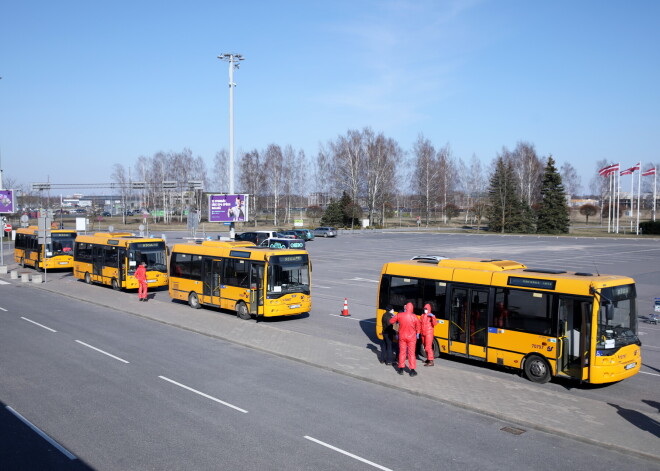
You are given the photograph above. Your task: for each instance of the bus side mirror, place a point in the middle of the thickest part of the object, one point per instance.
(609, 312)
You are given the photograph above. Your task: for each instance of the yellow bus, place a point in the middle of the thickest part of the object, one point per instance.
(241, 277)
(110, 258)
(57, 254)
(547, 323)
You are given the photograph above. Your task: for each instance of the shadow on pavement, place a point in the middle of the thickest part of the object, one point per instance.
(639, 420)
(23, 448)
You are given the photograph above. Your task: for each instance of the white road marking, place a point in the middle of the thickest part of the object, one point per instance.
(3, 309)
(204, 395)
(101, 351)
(354, 318)
(650, 346)
(36, 323)
(371, 463)
(652, 374)
(43, 435)
(362, 279)
(3, 282)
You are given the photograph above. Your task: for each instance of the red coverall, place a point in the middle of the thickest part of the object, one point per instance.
(428, 321)
(141, 276)
(408, 332)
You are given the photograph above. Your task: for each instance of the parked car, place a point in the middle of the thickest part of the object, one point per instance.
(293, 234)
(106, 214)
(304, 234)
(325, 232)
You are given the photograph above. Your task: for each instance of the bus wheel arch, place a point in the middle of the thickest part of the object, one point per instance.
(537, 369)
(242, 311)
(22, 264)
(88, 278)
(115, 284)
(193, 300)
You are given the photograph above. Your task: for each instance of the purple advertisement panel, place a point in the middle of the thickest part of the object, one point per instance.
(7, 201)
(228, 208)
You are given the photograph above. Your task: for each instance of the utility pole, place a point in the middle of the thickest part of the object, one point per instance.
(233, 59)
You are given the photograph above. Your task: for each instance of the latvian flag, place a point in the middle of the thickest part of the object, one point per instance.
(609, 170)
(632, 169)
(650, 171)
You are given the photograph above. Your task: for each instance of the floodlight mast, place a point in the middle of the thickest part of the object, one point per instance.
(233, 59)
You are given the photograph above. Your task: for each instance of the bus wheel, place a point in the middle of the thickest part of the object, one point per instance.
(22, 262)
(537, 369)
(193, 301)
(422, 352)
(115, 285)
(88, 279)
(242, 311)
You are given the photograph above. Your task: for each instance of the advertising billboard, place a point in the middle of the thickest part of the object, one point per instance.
(228, 208)
(7, 204)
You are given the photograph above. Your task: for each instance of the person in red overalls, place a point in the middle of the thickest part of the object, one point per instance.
(141, 275)
(428, 322)
(408, 335)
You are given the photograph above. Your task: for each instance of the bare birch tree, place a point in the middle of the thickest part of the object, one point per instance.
(274, 168)
(426, 176)
(570, 179)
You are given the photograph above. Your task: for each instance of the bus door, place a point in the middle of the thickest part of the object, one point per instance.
(257, 270)
(212, 271)
(98, 256)
(574, 315)
(468, 320)
(123, 269)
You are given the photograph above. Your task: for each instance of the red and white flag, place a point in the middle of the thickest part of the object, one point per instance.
(637, 166)
(609, 170)
(627, 172)
(650, 171)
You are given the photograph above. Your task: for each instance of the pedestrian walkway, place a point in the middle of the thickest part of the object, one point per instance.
(521, 404)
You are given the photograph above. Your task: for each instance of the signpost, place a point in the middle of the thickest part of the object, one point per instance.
(44, 237)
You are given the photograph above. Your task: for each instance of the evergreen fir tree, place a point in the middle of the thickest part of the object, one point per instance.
(553, 212)
(333, 215)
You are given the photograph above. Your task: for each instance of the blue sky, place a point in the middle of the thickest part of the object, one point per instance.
(86, 85)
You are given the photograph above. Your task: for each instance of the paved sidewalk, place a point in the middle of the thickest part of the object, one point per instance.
(525, 405)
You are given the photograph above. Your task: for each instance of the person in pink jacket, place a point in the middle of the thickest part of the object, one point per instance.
(428, 322)
(141, 276)
(408, 335)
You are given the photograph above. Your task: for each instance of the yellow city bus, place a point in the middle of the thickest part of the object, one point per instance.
(547, 323)
(56, 254)
(242, 277)
(111, 259)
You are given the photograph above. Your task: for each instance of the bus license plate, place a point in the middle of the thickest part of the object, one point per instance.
(294, 306)
(63, 263)
(151, 281)
(631, 365)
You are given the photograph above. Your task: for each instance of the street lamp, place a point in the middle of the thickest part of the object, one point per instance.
(234, 60)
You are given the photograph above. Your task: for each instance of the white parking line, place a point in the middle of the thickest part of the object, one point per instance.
(204, 395)
(3, 282)
(371, 463)
(40, 325)
(652, 374)
(354, 318)
(3, 309)
(101, 351)
(43, 435)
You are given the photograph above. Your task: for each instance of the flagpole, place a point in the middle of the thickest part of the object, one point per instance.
(618, 200)
(639, 191)
(655, 175)
(632, 199)
(611, 208)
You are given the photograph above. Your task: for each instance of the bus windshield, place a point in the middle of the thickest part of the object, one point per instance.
(288, 274)
(62, 244)
(622, 329)
(153, 253)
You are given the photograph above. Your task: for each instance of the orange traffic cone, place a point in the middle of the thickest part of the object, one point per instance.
(344, 312)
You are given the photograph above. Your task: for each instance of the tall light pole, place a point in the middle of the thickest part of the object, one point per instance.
(234, 60)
